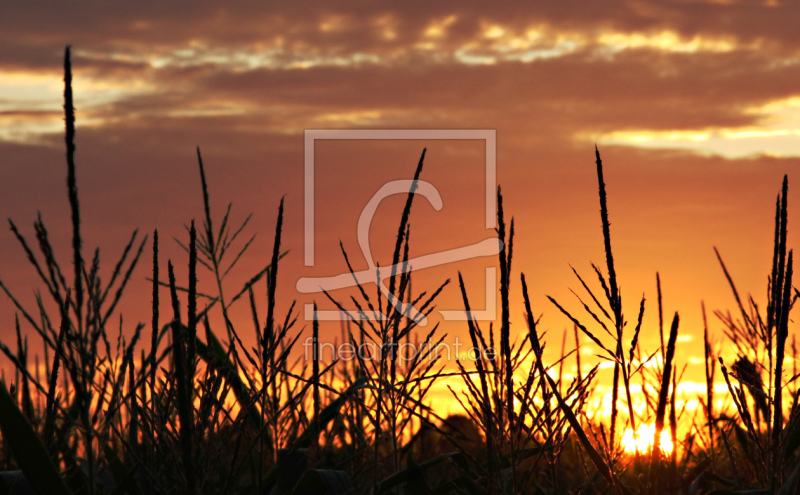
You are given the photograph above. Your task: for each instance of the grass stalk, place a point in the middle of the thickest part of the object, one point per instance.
(663, 397)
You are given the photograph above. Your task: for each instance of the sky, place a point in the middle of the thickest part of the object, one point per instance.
(694, 106)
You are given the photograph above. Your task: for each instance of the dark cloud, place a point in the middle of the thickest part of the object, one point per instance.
(31, 35)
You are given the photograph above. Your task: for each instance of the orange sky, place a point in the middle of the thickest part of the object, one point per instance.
(694, 104)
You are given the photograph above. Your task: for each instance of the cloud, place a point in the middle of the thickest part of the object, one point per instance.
(613, 73)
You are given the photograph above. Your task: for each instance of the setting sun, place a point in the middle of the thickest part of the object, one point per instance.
(643, 440)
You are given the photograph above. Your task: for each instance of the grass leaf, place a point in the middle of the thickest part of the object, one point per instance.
(28, 449)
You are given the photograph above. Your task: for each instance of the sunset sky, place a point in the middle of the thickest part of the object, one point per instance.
(694, 105)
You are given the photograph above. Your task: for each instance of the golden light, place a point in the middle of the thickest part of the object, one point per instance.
(642, 441)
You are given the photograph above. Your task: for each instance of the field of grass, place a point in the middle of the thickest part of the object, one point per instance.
(186, 408)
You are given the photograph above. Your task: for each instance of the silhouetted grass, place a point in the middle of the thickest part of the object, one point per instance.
(196, 414)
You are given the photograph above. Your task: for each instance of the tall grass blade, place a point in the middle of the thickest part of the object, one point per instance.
(72, 187)
(663, 397)
(28, 449)
(783, 331)
(154, 325)
(185, 406)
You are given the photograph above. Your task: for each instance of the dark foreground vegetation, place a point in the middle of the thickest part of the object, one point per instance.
(182, 407)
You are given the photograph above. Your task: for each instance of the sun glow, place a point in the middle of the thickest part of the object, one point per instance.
(642, 442)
